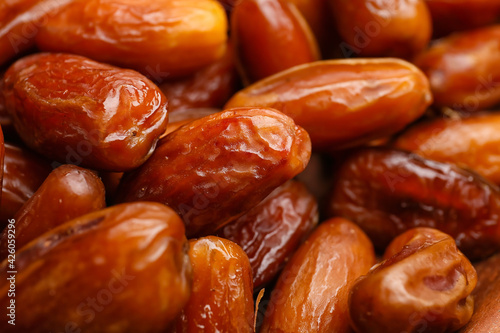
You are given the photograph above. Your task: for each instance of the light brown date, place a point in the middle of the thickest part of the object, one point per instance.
(472, 142)
(271, 231)
(24, 172)
(387, 28)
(67, 193)
(222, 296)
(423, 285)
(343, 103)
(462, 69)
(121, 269)
(214, 169)
(312, 291)
(78, 111)
(270, 36)
(161, 38)
(387, 192)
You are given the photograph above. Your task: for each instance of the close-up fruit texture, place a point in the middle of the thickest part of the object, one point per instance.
(249, 166)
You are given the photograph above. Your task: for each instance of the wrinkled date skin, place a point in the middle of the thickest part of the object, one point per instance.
(457, 15)
(472, 143)
(222, 295)
(122, 269)
(462, 69)
(374, 28)
(210, 87)
(161, 38)
(185, 116)
(78, 111)
(67, 193)
(312, 291)
(343, 103)
(214, 169)
(271, 231)
(388, 191)
(20, 22)
(486, 317)
(423, 285)
(24, 172)
(270, 36)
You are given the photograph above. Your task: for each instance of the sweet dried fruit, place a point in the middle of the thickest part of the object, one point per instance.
(222, 296)
(424, 285)
(271, 231)
(387, 192)
(214, 169)
(78, 111)
(161, 38)
(312, 291)
(343, 103)
(67, 193)
(121, 269)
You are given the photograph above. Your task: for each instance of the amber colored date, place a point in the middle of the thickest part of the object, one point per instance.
(67, 193)
(472, 142)
(388, 191)
(78, 111)
(271, 231)
(121, 269)
(394, 28)
(486, 317)
(161, 38)
(462, 69)
(209, 87)
(24, 172)
(457, 15)
(343, 103)
(423, 285)
(222, 296)
(214, 169)
(312, 291)
(185, 116)
(270, 36)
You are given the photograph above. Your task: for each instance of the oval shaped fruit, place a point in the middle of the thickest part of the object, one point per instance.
(472, 142)
(271, 231)
(78, 111)
(387, 192)
(270, 36)
(394, 28)
(222, 297)
(312, 291)
(424, 285)
(124, 268)
(462, 69)
(67, 193)
(343, 103)
(214, 169)
(161, 39)
(24, 172)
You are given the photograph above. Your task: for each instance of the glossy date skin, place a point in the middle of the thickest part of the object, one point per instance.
(67, 193)
(387, 192)
(122, 269)
(424, 284)
(383, 28)
(270, 36)
(271, 231)
(312, 291)
(343, 103)
(458, 15)
(472, 142)
(222, 295)
(75, 110)
(462, 69)
(161, 39)
(214, 169)
(24, 172)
